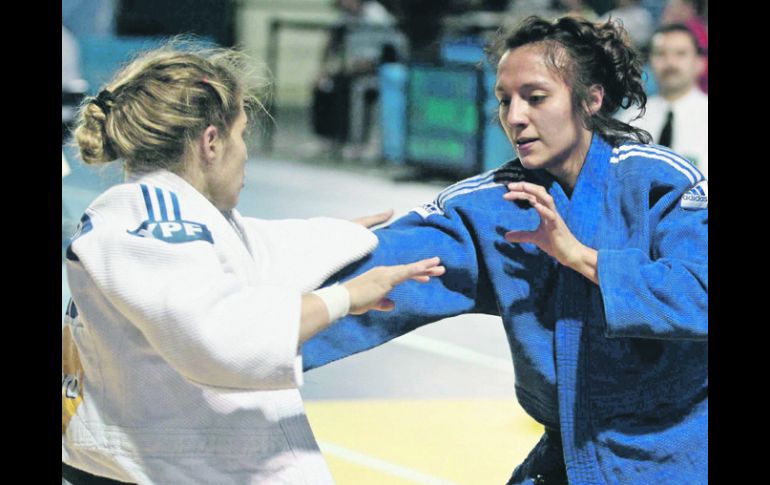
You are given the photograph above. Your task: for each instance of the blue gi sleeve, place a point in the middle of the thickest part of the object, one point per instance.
(660, 291)
(464, 288)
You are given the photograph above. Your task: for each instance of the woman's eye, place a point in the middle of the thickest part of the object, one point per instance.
(505, 102)
(536, 99)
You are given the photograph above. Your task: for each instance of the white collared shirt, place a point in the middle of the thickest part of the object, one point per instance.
(690, 128)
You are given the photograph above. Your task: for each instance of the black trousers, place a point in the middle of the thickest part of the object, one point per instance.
(545, 463)
(79, 477)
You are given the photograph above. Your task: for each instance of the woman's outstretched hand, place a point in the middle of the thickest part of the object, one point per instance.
(369, 290)
(374, 219)
(552, 235)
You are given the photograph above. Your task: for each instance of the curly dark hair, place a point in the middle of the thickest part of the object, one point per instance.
(584, 54)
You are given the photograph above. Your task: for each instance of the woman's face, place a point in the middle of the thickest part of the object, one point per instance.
(227, 177)
(537, 114)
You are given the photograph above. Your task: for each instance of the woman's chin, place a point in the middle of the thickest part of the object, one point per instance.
(529, 162)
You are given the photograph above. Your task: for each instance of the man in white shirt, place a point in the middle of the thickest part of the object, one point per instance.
(678, 116)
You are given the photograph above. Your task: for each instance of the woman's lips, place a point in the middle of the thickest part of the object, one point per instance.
(525, 145)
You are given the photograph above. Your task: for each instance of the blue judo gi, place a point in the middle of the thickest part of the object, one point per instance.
(617, 373)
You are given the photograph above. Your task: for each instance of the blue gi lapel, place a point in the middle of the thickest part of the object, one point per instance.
(582, 214)
(585, 206)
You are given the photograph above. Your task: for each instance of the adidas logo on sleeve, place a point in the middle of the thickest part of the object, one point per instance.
(697, 197)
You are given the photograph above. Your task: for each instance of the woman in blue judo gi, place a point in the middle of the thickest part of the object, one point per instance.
(592, 246)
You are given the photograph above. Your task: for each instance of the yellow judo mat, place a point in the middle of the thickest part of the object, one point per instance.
(431, 442)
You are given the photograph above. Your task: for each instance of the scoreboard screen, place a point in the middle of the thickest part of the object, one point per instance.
(444, 117)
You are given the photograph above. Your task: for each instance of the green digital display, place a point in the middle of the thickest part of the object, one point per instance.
(427, 148)
(443, 116)
(450, 115)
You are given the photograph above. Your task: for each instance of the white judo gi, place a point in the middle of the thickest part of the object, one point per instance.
(180, 346)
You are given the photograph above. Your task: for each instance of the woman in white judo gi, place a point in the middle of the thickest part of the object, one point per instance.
(180, 345)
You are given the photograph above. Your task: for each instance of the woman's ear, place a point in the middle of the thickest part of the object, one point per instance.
(595, 99)
(208, 143)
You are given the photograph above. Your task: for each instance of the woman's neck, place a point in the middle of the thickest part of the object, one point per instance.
(193, 175)
(567, 172)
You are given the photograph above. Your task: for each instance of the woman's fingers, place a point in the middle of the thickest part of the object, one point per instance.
(420, 271)
(519, 236)
(426, 275)
(426, 267)
(369, 290)
(546, 214)
(529, 188)
(538, 191)
(374, 219)
(520, 196)
(384, 305)
(538, 198)
(552, 234)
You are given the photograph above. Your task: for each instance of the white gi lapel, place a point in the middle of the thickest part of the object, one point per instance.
(195, 210)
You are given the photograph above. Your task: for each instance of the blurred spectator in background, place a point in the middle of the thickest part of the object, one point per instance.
(73, 86)
(577, 8)
(678, 116)
(636, 19)
(347, 84)
(99, 20)
(68, 225)
(70, 58)
(692, 14)
(65, 167)
(520, 9)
